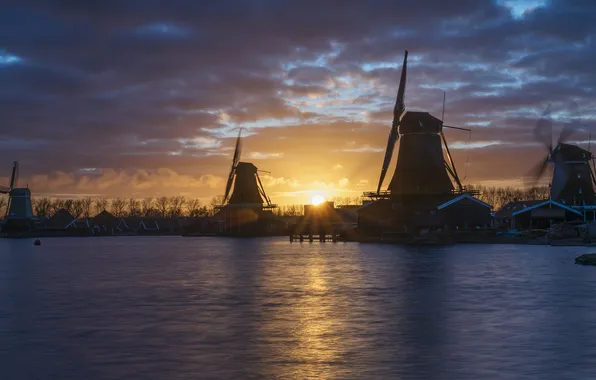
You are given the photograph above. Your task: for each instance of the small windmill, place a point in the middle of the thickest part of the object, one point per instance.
(11, 187)
(244, 176)
(573, 179)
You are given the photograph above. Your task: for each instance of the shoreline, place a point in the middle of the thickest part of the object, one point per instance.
(570, 242)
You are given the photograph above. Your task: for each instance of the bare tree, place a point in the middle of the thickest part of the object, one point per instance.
(101, 204)
(193, 207)
(77, 208)
(147, 207)
(176, 206)
(68, 205)
(41, 206)
(57, 204)
(163, 205)
(118, 207)
(86, 204)
(215, 201)
(134, 207)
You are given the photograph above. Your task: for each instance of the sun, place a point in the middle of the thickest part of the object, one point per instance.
(317, 199)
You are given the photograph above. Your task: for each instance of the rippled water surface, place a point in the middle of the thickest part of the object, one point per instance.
(207, 308)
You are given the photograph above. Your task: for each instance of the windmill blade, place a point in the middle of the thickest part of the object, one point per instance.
(543, 131)
(262, 190)
(235, 160)
(398, 111)
(537, 171)
(458, 128)
(238, 149)
(393, 137)
(229, 184)
(14, 179)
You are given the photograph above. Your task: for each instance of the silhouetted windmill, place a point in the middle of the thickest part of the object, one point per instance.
(421, 166)
(573, 179)
(19, 199)
(244, 176)
(248, 204)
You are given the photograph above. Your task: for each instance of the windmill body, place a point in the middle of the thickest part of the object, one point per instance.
(246, 188)
(19, 199)
(246, 210)
(573, 179)
(420, 164)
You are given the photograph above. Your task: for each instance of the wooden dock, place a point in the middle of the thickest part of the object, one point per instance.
(314, 237)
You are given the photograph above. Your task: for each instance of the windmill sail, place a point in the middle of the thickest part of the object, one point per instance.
(397, 113)
(235, 161)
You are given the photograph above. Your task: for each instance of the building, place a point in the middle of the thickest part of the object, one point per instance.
(544, 215)
(419, 214)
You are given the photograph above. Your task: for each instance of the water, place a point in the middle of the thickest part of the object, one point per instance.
(206, 308)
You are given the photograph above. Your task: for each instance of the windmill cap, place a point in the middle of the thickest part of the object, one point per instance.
(416, 122)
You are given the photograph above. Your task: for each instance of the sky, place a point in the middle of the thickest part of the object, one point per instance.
(144, 97)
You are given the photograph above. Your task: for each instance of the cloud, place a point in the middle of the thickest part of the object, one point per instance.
(139, 89)
(264, 156)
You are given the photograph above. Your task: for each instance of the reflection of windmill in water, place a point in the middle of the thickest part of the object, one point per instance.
(573, 180)
(422, 187)
(18, 211)
(247, 210)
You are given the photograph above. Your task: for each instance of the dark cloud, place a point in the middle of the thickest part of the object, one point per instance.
(129, 85)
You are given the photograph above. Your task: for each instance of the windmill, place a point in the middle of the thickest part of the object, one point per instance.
(19, 199)
(421, 167)
(573, 180)
(245, 202)
(244, 176)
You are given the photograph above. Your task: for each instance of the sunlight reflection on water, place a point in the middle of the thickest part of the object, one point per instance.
(186, 308)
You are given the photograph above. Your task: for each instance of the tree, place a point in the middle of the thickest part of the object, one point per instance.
(118, 207)
(176, 206)
(147, 207)
(77, 208)
(192, 207)
(101, 204)
(41, 206)
(134, 207)
(68, 205)
(163, 205)
(86, 204)
(57, 204)
(217, 200)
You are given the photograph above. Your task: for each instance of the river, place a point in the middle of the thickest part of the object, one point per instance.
(209, 308)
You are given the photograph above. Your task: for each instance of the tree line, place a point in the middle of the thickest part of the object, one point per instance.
(162, 207)
(500, 196)
(178, 206)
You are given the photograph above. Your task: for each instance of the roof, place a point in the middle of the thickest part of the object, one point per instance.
(105, 218)
(543, 203)
(79, 223)
(462, 197)
(508, 209)
(60, 220)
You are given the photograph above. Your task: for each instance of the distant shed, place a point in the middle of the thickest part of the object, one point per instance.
(544, 215)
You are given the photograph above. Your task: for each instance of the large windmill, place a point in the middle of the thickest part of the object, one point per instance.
(247, 204)
(573, 180)
(422, 167)
(425, 192)
(19, 199)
